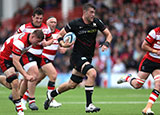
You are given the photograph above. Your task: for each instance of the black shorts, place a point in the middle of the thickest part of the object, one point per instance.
(45, 61)
(148, 66)
(28, 57)
(6, 64)
(77, 61)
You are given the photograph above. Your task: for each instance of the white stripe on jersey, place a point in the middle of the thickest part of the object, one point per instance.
(19, 44)
(35, 51)
(50, 57)
(156, 46)
(52, 47)
(154, 55)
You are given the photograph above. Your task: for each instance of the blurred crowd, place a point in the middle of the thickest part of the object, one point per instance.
(128, 20)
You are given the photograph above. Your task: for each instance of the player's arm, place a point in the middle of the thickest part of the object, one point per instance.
(146, 46)
(149, 40)
(48, 42)
(60, 39)
(19, 67)
(108, 36)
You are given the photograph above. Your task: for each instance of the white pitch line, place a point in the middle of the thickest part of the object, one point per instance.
(105, 102)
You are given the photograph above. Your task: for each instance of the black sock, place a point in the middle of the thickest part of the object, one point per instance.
(51, 85)
(54, 93)
(89, 91)
(17, 101)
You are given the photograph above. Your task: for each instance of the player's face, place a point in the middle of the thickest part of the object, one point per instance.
(37, 19)
(34, 40)
(52, 23)
(90, 14)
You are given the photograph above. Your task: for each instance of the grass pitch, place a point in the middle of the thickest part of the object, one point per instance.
(111, 101)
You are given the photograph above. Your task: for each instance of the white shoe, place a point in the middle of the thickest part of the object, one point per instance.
(55, 104)
(149, 112)
(92, 108)
(24, 102)
(20, 113)
(123, 79)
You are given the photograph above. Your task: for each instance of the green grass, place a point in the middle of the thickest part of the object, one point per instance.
(111, 102)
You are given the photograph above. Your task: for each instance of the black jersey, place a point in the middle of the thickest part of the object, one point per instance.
(85, 35)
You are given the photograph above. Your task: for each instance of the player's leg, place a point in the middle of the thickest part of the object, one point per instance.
(29, 63)
(4, 82)
(12, 78)
(154, 94)
(24, 93)
(51, 72)
(75, 79)
(145, 68)
(90, 72)
(33, 70)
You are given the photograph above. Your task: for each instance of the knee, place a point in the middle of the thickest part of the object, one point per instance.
(137, 82)
(92, 73)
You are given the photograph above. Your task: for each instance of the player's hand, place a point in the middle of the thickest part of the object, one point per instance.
(44, 43)
(66, 44)
(104, 48)
(30, 78)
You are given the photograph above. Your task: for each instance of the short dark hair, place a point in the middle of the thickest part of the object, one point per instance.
(89, 5)
(38, 11)
(39, 34)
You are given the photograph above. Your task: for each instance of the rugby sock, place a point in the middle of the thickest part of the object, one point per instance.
(89, 92)
(18, 105)
(25, 96)
(154, 95)
(54, 93)
(51, 86)
(31, 100)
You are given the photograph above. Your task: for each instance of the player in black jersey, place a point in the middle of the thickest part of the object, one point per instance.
(85, 29)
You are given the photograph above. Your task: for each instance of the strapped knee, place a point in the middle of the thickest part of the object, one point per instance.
(86, 68)
(140, 81)
(11, 78)
(76, 79)
(157, 77)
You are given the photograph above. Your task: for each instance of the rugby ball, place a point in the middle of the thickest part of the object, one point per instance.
(71, 36)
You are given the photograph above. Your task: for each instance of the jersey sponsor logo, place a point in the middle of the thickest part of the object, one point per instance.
(87, 31)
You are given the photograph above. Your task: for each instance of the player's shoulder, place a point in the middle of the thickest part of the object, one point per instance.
(28, 25)
(56, 30)
(97, 20)
(43, 25)
(157, 29)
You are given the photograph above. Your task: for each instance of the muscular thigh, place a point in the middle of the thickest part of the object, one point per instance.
(49, 69)
(143, 75)
(10, 71)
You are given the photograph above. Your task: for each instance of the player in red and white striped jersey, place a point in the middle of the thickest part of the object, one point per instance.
(48, 56)
(10, 54)
(150, 64)
(32, 59)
